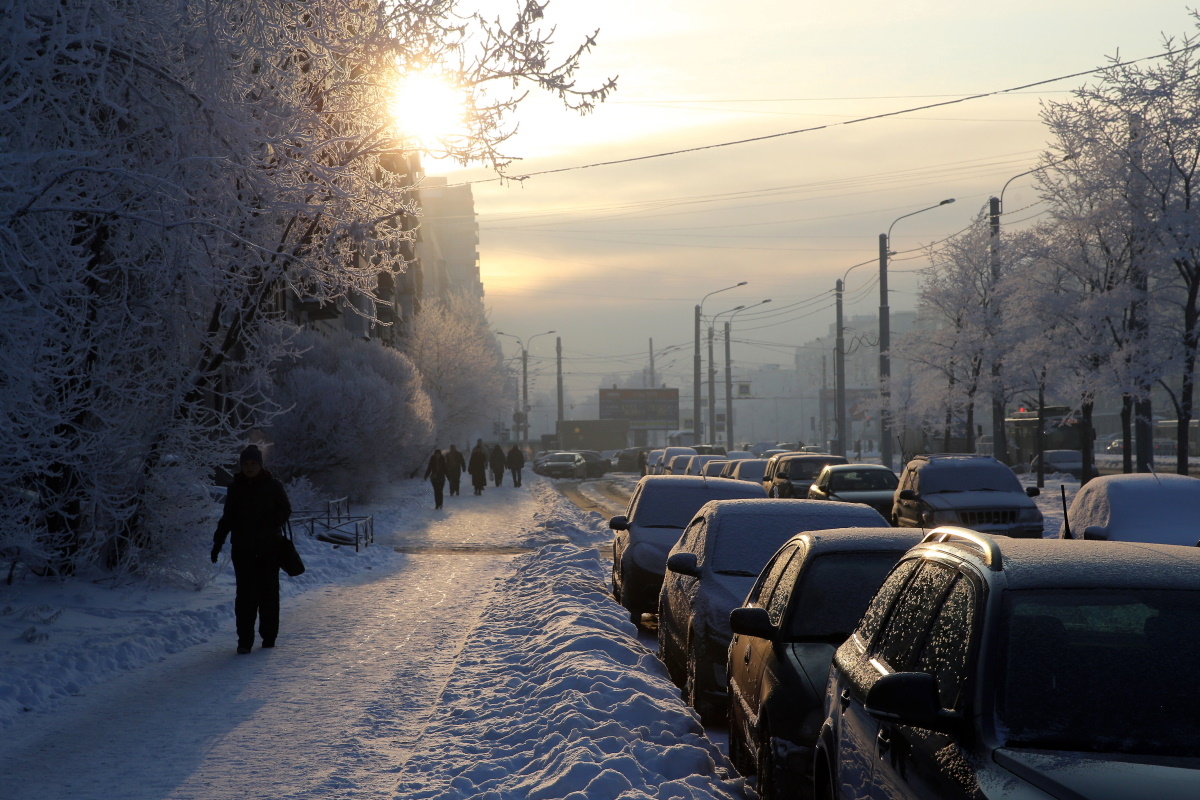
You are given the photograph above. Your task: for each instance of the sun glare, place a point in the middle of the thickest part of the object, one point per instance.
(428, 110)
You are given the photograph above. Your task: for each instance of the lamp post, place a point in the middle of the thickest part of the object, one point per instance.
(697, 423)
(712, 373)
(885, 339)
(995, 209)
(839, 367)
(729, 373)
(523, 419)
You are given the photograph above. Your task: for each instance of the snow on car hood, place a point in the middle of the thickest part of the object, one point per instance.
(1139, 508)
(944, 501)
(1069, 774)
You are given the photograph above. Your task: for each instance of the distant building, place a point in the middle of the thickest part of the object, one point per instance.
(448, 241)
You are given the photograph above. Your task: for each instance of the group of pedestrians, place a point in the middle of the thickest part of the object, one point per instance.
(450, 466)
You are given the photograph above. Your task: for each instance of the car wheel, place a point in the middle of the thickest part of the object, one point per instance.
(616, 585)
(739, 754)
(767, 786)
(693, 688)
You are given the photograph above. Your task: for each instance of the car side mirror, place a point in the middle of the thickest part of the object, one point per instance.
(1032, 491)
(909, 698)
(684, 564)
(752, 621)
(1096, 533)
(907, 494)
(619, 523)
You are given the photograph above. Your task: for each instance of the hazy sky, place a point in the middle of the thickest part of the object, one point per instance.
(613, 256)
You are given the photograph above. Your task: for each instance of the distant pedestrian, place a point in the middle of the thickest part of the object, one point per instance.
(455, 467)
(435, 473)
(858, 449)
(516, 463)
(477, 466)
(498, 463)
(256, 509)
(641, 462)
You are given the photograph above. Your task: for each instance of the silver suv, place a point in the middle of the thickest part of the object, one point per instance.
(974, 491)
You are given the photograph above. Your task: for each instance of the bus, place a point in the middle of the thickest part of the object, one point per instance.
(1062, 432)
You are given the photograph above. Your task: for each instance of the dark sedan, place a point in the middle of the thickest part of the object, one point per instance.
(871, 484)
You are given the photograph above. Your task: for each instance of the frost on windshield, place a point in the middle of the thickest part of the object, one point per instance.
(968, 478)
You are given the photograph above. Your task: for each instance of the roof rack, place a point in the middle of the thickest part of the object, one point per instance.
(952, 533)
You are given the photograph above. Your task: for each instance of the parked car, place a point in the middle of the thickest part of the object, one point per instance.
(696, 463)
(1069, 462)
(597, 465)
(994, 667)
(562, 465)
(974, 491)
(746, 469)
(1136, 508)
(677, 465)
(801, 608)
(710, 570)
(660, 508)
(709, 449)
(627, 459)
(712, 469)
(790, 474)
(871, 484)
(654, 461)
(670, 454)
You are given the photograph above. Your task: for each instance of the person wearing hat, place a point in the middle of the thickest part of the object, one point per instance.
(256, 509)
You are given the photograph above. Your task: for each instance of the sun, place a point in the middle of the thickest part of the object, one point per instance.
(428, 110)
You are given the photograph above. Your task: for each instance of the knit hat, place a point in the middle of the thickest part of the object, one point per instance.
(251, 453)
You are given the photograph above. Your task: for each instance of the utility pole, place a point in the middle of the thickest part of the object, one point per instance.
(523, 425)
(712, 398)
(558, 359)
(653, 382)
(999, 440)
(839, 390)
(697, 424)
(885, 364)
(728, 393)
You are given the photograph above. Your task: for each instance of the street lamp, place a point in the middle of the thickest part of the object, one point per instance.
(729, 373)
(995, 209)
(697, 423)
(839, 367)
(885, 339)
(712, 372)
(523, 419)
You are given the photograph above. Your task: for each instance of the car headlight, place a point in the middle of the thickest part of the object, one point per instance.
(1030, 515)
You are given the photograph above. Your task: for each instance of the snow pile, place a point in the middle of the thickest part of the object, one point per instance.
(562, 521)
(554, 697)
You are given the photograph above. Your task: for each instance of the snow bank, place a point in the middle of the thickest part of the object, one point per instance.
(554, 697)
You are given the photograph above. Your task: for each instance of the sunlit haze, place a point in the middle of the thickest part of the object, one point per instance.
(427, 110)
(614, 256)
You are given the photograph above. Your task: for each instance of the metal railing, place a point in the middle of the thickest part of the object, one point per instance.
(336, 525)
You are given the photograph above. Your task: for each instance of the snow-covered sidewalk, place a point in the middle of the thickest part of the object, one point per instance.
(547, 693)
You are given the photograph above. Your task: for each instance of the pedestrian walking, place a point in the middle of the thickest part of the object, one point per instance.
(455, 467)
(477, 467)
(256, 509)
(641, 462)
(435, 473)
(516, 463)
(498, 463)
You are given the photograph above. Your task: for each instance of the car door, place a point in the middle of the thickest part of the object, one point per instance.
(820, 487)
(912, 763)
(675, 604)
(851, 748)
(763, 655)
(906, 513)
(621, 540)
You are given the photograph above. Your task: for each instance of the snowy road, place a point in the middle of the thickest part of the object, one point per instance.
(333, 711)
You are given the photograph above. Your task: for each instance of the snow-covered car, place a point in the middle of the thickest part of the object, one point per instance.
(737, 455)
(790, 474)
(677, 465)
(977, 492)
(670, 454)
(871, 484)
(563, 465)
(1069, 462)
(987, 666)
(802, 607)
(660, 508)
(696, 463)
(712, 469)
(746, 469)
(1142, 507)
(710, 570)
(654, 460)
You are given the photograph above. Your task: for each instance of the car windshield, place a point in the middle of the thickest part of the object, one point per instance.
(834, 592)
(674, 506)
(745, 543)
(806, 469)
(968, 478)
(1102, 671)
(751, 470)
(863, 480)
(562, 457)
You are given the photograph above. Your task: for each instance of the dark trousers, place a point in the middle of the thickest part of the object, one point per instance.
(454, 479)
(516, 476)
(498, 476)
(257, 597)
(437, 492)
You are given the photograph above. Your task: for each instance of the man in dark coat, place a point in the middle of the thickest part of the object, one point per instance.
(455, 467)
(516, 462)
(477, 466)
(256, 509)
(498, 463)
(435, 473)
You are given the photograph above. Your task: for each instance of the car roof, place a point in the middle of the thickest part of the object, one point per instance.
(655, 482)
(840, 467)
(809, 514)
(847, 539)
(1080, 564)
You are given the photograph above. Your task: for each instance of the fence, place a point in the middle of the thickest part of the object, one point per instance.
(336, 525)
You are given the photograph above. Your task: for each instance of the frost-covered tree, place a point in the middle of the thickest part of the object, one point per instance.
(174, 176)
(460, 364)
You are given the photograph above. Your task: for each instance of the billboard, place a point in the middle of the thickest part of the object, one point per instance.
(645, 409)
